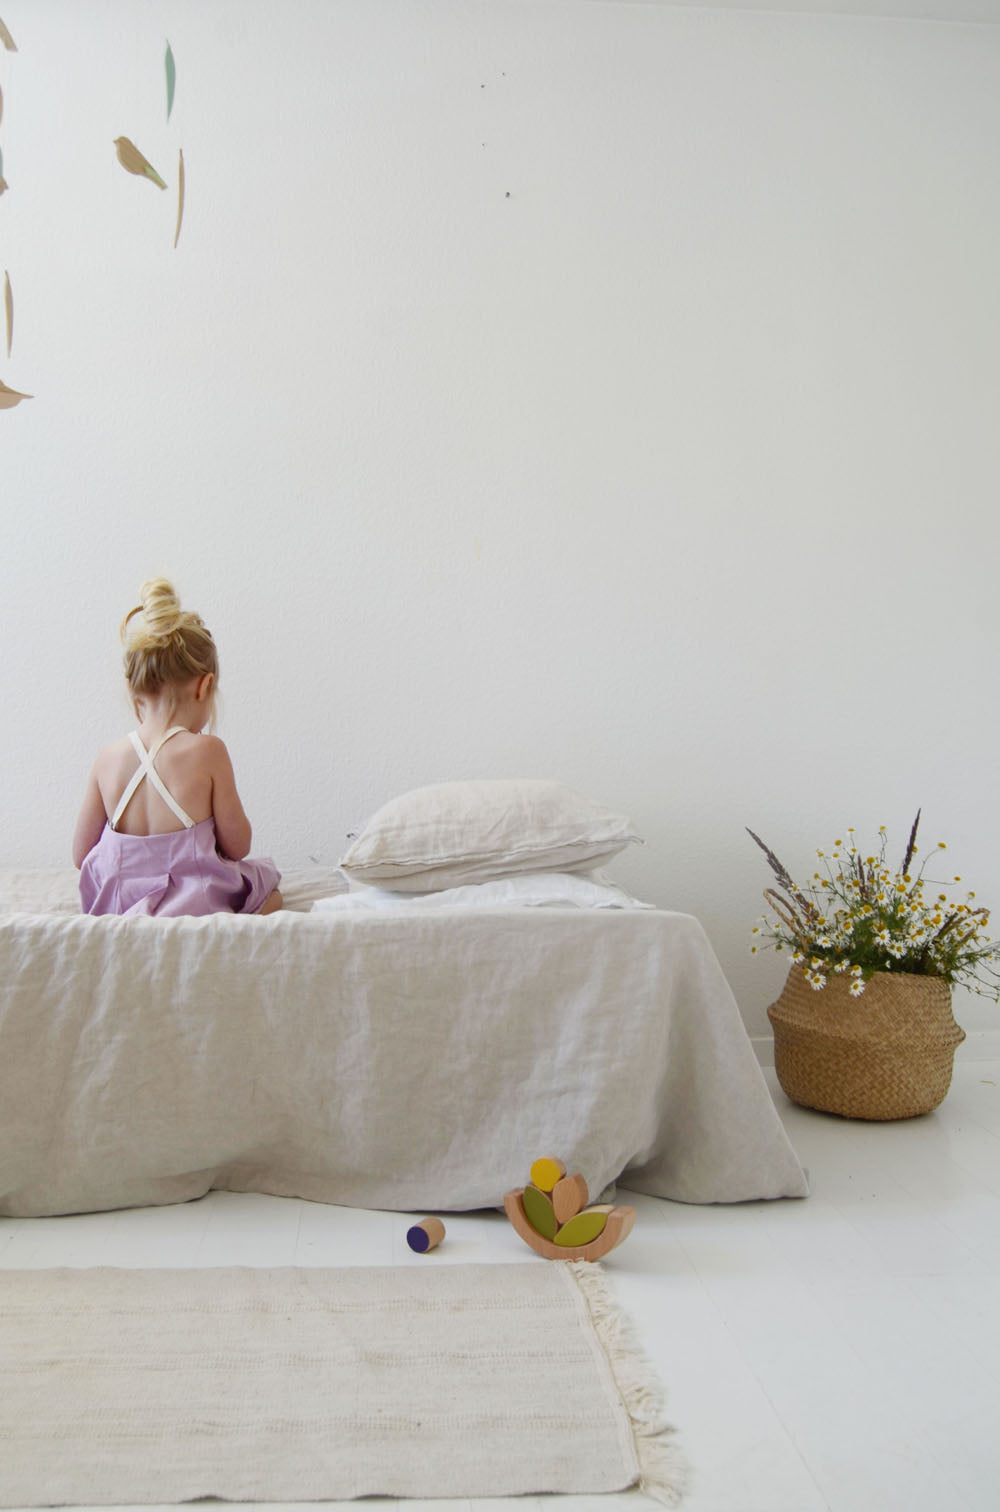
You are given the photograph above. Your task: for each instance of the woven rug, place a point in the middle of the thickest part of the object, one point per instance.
(140, 1386)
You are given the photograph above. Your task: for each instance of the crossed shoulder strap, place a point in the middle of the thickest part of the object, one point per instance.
(147, 769)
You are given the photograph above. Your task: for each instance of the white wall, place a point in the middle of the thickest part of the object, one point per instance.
(605, 392)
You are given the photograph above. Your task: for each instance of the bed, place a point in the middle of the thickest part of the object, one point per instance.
(407, 1058)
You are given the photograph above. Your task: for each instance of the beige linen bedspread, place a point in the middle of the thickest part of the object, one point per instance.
(403, 1061)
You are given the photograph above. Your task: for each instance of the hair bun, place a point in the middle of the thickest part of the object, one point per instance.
(161, 608)
(154, 620)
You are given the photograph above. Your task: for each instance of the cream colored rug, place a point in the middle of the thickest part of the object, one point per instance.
(139, 1386)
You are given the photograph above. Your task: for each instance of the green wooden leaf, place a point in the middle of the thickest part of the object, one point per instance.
(171, 68)
(582, 1229)
(539, 1212)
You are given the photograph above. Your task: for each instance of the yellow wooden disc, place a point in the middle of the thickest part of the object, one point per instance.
(546, 1171)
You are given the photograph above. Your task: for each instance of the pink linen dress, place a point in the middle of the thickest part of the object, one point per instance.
(180, 872)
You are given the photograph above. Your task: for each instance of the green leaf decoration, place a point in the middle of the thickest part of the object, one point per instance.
(583, 1229)
(538, 1210)
(171, 69)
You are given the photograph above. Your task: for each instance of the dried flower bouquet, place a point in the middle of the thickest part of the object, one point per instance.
(862, 917)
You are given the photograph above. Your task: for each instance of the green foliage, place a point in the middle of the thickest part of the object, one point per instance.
(862, 917)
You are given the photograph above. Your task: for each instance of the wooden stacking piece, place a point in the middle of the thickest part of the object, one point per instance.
(585, 1227)
(569, 1197)
(618, 1225)
(425, 1235)
(546, 1171)
(552, 1217)
(539, 1212)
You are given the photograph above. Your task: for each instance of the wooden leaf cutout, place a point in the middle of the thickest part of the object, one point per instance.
(539, 1212)
(180, 193)
(569, 1196)
(584, 1228)
(132, 159)
(7, 39)
(9, 397)
(8, 305)
(3, 182)
(171, 71)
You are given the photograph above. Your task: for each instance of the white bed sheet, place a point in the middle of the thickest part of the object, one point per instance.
(526, 890)
(408, 1060)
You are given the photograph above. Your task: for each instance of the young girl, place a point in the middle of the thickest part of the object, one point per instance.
(162, 829)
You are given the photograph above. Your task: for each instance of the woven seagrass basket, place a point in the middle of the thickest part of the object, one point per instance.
(886, 1054)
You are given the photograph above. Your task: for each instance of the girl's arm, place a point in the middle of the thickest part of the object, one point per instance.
(232, 827)
(91, 822)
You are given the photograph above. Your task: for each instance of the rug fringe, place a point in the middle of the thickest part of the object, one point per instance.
(663, 1470)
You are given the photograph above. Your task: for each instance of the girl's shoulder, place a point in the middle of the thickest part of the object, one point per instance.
(208, 746)
(205, 753)
(113, 754)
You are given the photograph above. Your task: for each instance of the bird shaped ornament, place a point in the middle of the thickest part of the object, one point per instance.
(551, 1215)
(132, 159)
(10, 397)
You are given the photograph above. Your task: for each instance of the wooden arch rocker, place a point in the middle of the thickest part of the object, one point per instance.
(552, 1217)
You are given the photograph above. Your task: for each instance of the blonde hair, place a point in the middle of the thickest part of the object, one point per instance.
(166, 645)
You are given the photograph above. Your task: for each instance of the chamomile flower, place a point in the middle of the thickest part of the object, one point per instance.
(860, 916)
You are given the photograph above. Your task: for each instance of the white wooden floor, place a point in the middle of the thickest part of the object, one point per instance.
(841, 1353)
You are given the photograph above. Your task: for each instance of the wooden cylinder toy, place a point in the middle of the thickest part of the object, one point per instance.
(425, 1235)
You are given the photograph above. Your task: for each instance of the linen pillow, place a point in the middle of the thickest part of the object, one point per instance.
(453, 833)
